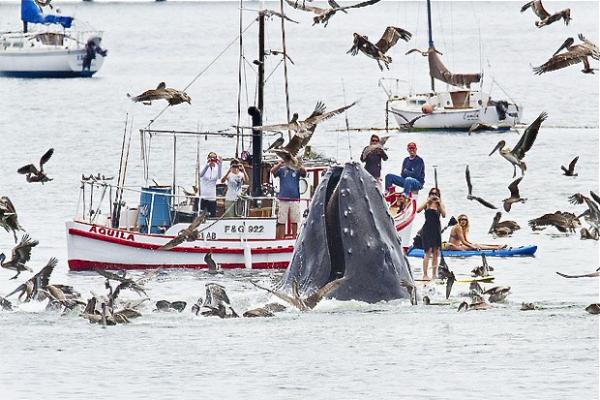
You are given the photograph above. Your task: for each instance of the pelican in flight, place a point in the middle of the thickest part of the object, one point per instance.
(188, 234)
(545, 17)
(377, 51)
(424, 53)
(516, 155)
(21, 254)
(32, 174)
(324, 14)
(162, 92)
(574, 55)
(563, 221)
(592, 214)
(571, 170)
(8, 217)
(515, 197)
(304, 131)
(470, 189)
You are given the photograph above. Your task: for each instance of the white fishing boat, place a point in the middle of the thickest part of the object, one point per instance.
(127, 233)
(49, 47)
(458, 108)
(123, 227)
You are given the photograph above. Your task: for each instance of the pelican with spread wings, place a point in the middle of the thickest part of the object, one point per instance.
(324, 14)
(190, 233)
(574, 55)
(303, 131)
(33, 174)
(20, 256)
(545, 17)
(8, 217)
(470, 188)
(377, 51)
(162, 92)
(516, 155)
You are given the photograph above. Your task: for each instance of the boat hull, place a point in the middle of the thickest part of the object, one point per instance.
(92, 247)
(98, 247)
(456, 119)
(47, 64)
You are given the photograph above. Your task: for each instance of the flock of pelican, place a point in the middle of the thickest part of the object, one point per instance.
(109, 309)
(573, 54)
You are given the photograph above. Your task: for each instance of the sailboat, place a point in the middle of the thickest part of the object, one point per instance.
(138, 229)
(52, 49)
(461, 108)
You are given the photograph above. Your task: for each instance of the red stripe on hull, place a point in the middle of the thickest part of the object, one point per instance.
(148, 246)
(85, 265)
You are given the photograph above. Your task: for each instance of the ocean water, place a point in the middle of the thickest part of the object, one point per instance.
(347, 349)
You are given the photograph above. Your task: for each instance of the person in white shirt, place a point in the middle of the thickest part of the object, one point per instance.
(235, 178)
(209, 175)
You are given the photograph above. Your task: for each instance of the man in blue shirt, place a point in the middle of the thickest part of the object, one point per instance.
(289, 197)
(413, 172)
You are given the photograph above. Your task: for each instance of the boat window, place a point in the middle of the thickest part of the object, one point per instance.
(51, 38)
(17, 44)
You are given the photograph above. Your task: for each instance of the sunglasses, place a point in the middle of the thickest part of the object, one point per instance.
(464, 219)
(374, 140)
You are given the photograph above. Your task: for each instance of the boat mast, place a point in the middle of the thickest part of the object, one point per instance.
(257, 112)
(430, 39)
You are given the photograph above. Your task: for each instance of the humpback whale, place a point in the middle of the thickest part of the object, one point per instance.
(349, 234)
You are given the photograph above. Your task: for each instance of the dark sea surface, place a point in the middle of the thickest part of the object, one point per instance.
(347, 350)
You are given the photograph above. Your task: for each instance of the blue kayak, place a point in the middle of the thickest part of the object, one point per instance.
(508, 252)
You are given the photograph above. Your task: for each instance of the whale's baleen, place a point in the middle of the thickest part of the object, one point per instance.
(349, 233)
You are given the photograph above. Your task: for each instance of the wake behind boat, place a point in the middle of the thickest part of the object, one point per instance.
(52, 49)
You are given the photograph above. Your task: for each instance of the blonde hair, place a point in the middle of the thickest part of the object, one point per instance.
(466, 227)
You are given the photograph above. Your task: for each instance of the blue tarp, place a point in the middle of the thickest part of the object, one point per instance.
(31, 12)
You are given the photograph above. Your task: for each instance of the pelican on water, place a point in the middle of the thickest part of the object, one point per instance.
(504, 228)
(516, 155)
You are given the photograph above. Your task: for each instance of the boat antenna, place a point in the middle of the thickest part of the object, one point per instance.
(256, 112)
(430, 39)
(346, 111)
(116, 211)
(285, 69)
(239, 97)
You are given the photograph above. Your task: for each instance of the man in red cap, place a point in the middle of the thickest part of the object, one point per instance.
(412, 178)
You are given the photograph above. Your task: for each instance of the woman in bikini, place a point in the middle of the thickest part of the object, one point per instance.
(458, 238)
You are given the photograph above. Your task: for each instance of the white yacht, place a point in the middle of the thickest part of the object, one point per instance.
(48, 46)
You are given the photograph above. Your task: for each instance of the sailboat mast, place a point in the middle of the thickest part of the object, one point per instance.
(257, 112)
(430, 39)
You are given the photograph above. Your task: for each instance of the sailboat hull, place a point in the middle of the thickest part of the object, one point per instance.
(47, 54)
(447, 115)
(47, 64)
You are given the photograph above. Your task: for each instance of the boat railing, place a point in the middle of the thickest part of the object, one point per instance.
(103, 203)
(79, 37)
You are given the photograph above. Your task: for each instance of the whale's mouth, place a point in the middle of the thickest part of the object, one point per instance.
(333, 228)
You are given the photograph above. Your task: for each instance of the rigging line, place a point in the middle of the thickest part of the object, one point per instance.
(239, 97)
(249, 64)
(274, 69)
(504, 91)
(285, 69)
(204, 70)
